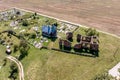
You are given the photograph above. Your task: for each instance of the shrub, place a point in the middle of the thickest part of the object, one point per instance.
(103, 76)
(16, 48)
(24, 47)
(91, 32)
(49, 21)
(32, 35)
(13, 71)
(25, 23)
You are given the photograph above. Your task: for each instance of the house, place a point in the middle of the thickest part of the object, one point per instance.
(49, 31)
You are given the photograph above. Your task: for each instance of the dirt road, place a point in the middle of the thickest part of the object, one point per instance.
(20, 67)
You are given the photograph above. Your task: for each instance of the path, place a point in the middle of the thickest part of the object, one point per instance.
(20, 67)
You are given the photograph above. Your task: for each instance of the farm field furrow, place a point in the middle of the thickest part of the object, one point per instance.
(104, 14)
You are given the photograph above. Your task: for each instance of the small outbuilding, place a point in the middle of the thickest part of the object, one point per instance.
(64, 44)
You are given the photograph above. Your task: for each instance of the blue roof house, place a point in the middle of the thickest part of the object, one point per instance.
(49, 31)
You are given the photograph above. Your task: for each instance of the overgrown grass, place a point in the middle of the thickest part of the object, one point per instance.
(53, 65)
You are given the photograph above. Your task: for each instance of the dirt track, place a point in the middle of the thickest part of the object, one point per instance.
(20, 67)
(101, 14)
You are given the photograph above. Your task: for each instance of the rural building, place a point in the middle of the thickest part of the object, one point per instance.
(85, 44)
(65, 44)
(49, 31)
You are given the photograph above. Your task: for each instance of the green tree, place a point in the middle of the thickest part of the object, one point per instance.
(25, 23)
(13, 71)
(103, 76)
(4, 62)
(91, 32)
(16, 47)
(23, 47)
(32, 35)
(49, 21)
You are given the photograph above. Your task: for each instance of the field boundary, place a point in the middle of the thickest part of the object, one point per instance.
(69, 52)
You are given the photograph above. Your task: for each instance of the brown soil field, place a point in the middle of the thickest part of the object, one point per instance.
(101, 14)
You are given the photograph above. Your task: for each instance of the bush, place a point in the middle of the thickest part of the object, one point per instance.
(26, 34)
(25, 23)
(13, 71)
(91, 32)
(32, 35)
(23, 44)
(103, 76)
(24, 47)
(18, 12)
(20, 36)
(16, 48)
(49, 21)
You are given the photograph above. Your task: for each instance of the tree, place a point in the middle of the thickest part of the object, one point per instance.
(25, 23)
(23, 53)
(23, 47)
(23, 43)
(91, 32)
(35, 14)
(50, 21)
(16, 47)
(13, 71)
(20, 36)
(18, 12)
(103, 76)
(5, 61)
(32, 35)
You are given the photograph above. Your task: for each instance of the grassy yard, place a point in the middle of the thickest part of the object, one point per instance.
(53, 65)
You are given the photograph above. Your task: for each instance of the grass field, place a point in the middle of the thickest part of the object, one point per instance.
(53, 65)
